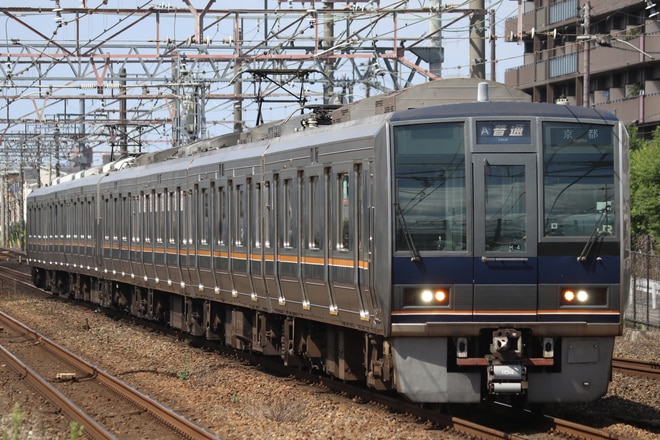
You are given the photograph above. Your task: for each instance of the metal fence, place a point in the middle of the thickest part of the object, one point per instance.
(643, 306)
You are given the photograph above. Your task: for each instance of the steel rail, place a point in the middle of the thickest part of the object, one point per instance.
(184, 427)
(632, 367)
(72, 411)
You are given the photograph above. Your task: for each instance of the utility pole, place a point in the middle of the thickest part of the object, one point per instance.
(477, 42)
(493, 73)
(585, 54)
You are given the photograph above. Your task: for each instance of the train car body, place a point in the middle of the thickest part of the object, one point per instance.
(450, 249)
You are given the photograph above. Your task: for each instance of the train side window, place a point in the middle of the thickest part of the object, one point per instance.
(159, 217)
(74, 226)
(239, 215)
(61, 226)
(110, 217)
(178, 225)
(53, 223)
(221, 222)
(147, 218)
(140, 203)
(91, 215)
(125, 218)
(171, 209)
(153, 217)
(203, 229)
(342, 219)
(255, 216)
(186, 217)
(135, 219)
(268, 215)
(315, 213)
(104, 216)
(116, 218)
(287, 215)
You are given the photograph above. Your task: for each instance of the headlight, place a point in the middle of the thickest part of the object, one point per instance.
(590, 296)
(425, 296)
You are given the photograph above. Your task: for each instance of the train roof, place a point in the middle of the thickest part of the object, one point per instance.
(505, 109)
(447, 97)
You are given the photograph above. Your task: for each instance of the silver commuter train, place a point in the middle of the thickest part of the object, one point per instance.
(449, 249)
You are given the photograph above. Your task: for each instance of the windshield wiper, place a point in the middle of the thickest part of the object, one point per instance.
(416, 257)
(595, 234)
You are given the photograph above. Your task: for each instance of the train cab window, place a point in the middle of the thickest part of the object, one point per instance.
(578, 182)
(430, 194)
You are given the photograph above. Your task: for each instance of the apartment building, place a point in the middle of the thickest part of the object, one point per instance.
(604, 54)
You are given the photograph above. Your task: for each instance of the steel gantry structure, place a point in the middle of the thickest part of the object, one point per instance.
(83, 76)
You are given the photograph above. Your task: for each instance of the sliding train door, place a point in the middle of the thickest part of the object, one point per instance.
(505, 236)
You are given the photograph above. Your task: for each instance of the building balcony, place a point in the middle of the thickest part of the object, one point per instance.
(639, 110)
(631, 53)
(625, 53)
(560, 14)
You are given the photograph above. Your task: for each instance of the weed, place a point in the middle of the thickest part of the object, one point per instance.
(76, 430)
(185, 373)
(17, 418)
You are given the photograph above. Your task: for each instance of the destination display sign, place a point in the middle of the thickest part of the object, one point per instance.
(504, 132)
(575, 135)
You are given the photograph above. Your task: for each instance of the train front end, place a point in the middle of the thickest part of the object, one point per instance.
(510, 231)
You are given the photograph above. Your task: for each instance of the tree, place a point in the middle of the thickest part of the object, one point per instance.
(645, 185)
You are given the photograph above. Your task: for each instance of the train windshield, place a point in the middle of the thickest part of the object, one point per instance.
(578, 163)
(430, 190)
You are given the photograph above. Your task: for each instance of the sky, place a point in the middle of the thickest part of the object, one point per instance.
(97, 28)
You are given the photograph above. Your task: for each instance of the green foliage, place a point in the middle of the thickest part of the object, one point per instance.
(17, 234)
(185, 373)
(645, 185)
(635, 141)
(17, 418)
(76, 430)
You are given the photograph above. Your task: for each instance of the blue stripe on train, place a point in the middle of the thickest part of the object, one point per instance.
(542, 270)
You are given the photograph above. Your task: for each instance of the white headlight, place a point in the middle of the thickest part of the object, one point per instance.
(427, 296)
(582, 295)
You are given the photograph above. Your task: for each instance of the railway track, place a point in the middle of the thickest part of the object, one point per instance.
(632, 367)
(462, 426)
(485, 421)
(106, 407)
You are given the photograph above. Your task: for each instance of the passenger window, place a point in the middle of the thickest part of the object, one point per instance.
(343, 233)
(204, 228)
(222, 217)
(255, 216)
(268, 212)
(288, 239)
(239, 220)
(315, 213)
